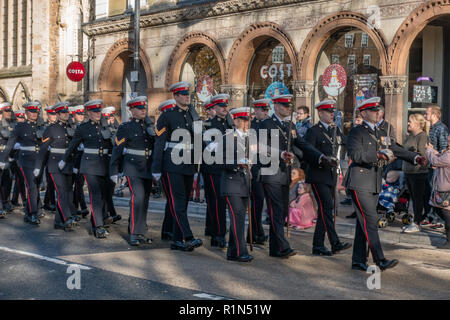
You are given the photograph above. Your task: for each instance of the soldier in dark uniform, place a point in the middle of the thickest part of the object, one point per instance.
(363, 179)
(135, 139)
(167, 225)
(216, 204)
(110, 125)
(235, 184)
(19, 184)
(177, 177)
(211, 113)
(6, 127)
(79, 201)
(94, 162)
(323, 179)
(25, 137)
(55, 141)
(276, 186)
(49, 197)
(261, 108)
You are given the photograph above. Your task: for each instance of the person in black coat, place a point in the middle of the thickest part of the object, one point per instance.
(323, 179)
(363, 180)
(132, 156)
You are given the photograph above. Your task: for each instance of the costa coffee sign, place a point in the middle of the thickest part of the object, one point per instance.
(75, 71)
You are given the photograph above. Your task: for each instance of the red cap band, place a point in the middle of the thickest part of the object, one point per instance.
(33, 108)
(326, 106)
(93, 106)
(220, 101)
(138, 103)
(61, 108)
(180, 89)
(282, 100)
(240, 114)
(369, 105)
(256, 105)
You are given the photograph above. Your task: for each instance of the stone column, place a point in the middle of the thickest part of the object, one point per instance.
(237, 92)
(393, 90)
(2, 34)
(29, 34)
(19, 32)
(10, 34)
(303, 90)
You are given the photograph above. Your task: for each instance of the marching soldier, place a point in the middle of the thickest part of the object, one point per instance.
(363, 179)
(19, 184)
(109, 127)
(94, 162)
(6, 128)
(49, 197)
(77, 118)
(235, 185)
(276, 186)
(167, 226)
(211, 173)
(178, 177)
(323, 179)
(261, 108)
(27, 139)
(137, 138)
(55, 141)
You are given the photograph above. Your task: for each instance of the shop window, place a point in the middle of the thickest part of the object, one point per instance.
(270, 72)
(362, 66)
(201, 69)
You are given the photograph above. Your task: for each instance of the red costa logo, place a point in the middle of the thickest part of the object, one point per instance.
(75, 71)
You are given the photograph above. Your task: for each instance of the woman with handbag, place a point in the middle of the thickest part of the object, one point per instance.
(440, 196)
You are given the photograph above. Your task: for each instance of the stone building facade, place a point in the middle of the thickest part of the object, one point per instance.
(38, 39)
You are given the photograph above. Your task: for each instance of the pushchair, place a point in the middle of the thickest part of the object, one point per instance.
(393, 200)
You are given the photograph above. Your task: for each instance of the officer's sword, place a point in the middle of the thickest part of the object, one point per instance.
(334, 154)
(289, 164)
(249, 210)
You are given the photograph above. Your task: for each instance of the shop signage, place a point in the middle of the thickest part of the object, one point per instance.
(425, 94)
(276, 71)
(365, 87)
(334, 80)
(75, 71)
(275, 89)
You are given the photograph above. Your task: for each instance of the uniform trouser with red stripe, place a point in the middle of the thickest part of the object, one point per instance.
(257, 204)
(78, 193)
(277, 197)
(31, 187)
(64, 202)
(167, 225)
(6, 184)
(19, 185)
(109, 209)
(237, 208)
(179, 188)
(324, 195)
(209, 205)
(49, 198)
(366, 232)
(217, 204)
(140, 194)
(97, 186)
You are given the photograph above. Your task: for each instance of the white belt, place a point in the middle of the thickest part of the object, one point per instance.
(34, 149)
(139, 152)
(2, 147)
(179, 145)
(96, 151)
(58, 151)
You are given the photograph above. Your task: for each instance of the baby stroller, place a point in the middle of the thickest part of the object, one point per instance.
(393, 200)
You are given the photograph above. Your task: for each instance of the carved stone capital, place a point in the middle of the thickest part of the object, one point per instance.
(236, 91)
(393, 84)
(304, 88)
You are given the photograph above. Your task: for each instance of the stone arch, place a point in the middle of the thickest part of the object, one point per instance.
(119, 47)
(398, 51)
(319, 34)
(21, 92)
(181, 51)
(3, 95)
(244, 47)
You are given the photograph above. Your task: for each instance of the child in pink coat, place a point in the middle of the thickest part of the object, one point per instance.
(302, 209)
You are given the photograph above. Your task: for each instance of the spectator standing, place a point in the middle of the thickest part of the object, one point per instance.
(303, 121)
(417, 176)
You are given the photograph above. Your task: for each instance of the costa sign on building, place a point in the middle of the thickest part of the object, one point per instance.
(75, 71)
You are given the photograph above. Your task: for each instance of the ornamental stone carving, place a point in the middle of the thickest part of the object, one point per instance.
(304, 88)
(393, 85)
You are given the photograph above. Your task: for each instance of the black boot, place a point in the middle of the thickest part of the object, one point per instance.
(446, 246)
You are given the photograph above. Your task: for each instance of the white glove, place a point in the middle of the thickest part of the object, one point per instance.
(212, 146)
(124, 151)
(61, 164)
(75, 170)
(2, 165)
(114, 178)
(80, 147)
(17, 146)
(36, 172)
(195, 176)
(156, 176)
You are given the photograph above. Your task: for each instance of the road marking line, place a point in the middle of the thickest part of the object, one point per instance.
(38, 256)
(209, 296)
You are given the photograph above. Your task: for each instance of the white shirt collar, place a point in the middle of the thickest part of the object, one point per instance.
(281, 121)
(324, 124)
(371, 125)
(241, 134)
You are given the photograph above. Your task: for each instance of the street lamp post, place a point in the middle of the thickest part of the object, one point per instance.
(137, 18)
